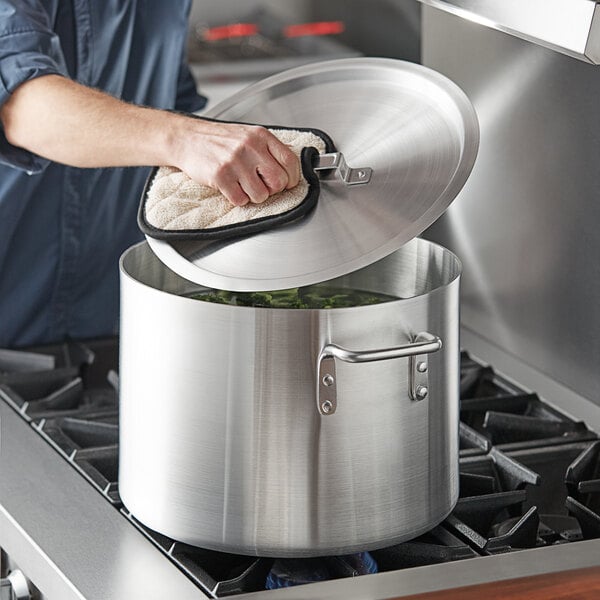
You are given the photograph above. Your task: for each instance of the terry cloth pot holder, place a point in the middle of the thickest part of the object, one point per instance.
(174, 207)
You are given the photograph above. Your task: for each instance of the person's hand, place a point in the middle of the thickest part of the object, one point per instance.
(246, 163)
(72, 124)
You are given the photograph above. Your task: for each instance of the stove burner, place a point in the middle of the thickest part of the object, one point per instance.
(290, 572)
(529, 475)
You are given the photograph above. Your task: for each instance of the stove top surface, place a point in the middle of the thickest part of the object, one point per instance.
(529, 475)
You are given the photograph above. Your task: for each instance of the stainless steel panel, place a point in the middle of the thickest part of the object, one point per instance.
(414, 128)
(568, 26)
(223, 446)
(526, 225)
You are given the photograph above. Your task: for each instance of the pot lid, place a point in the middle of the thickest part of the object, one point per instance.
(408, 127)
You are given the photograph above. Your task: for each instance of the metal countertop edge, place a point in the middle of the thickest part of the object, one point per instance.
(65, 536)
(445, 576)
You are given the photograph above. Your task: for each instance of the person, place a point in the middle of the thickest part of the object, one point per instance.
(86, 85)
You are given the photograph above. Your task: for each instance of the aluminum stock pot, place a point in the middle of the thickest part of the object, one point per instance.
(308, 432)
(291, 432)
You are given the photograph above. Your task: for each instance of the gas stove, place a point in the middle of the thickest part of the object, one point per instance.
(529, 488)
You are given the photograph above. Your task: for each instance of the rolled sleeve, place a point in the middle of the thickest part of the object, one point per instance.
(28, 49)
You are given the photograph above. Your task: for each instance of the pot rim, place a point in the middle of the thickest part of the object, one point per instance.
(417, 297)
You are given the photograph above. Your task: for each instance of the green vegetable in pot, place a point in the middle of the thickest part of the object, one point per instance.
(314, 296)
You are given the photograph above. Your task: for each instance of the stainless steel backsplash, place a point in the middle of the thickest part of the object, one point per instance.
(527, 223)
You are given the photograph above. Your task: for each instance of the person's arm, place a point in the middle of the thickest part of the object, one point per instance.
(69, 123)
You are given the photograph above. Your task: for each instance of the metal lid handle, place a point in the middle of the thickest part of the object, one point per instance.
(336, 160)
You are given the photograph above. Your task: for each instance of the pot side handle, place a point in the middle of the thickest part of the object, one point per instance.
(418, 350)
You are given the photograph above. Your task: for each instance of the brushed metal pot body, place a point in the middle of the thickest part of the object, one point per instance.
(290, 432)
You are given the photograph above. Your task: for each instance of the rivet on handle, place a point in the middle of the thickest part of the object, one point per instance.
(327, 392)
(419, 371)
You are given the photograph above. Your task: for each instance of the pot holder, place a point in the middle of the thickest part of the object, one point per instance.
(174, 207)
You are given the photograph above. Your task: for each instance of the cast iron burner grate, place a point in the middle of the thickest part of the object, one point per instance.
(508, 417)
(68, 394)
(529, 475)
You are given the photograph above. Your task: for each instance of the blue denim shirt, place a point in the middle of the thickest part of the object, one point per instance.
(62, 229)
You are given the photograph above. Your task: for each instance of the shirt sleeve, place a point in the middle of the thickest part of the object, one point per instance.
(28, 49)
(188, 99)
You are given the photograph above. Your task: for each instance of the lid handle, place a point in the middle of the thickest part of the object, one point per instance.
(336, 160)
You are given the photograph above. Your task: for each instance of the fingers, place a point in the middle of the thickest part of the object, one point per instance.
(286, 160)
(255, 188)
(234, 193)
(241, 186)
(277, 165)
(274, 177)
(250, 189)
(246, 163)
(263, 168)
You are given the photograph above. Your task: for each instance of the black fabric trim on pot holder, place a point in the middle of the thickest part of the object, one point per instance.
(253, 225)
